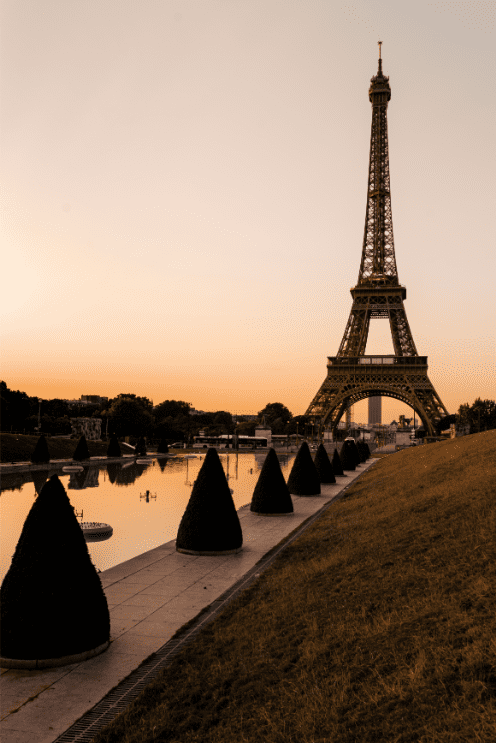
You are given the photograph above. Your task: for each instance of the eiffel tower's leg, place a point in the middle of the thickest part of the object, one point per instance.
(356, 332)
(401, 334)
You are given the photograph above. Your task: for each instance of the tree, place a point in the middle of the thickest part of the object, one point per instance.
(129, 417)
(347, 456)
(40, 453)
(114, 448)
(274, 411)
(445, 423)
(304, 478)
(171, 409)
(210, 523)
(140, 448)
(271, 496)
(52, 600)
(324, 466)
(81, 451)
(480, 416)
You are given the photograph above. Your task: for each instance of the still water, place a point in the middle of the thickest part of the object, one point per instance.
(116, 494)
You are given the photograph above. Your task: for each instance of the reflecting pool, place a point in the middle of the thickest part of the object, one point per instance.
(143, 503)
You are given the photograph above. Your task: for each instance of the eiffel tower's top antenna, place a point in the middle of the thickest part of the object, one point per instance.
(379, 71)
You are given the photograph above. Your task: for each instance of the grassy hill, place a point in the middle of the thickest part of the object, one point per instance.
(377, 624)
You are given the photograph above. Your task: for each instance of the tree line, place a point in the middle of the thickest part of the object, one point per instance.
(130, 415)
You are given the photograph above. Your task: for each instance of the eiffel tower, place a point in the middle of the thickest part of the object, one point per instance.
(352, 376)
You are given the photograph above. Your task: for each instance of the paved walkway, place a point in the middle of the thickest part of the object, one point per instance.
(150, 597)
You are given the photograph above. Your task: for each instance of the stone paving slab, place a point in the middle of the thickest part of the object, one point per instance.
(150, 597)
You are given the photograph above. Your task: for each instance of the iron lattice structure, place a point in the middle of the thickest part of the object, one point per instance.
(352, 376)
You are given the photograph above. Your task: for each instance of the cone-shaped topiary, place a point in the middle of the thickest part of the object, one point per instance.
(140, 449)
(367, 450)
(356, 453)
(163, 447)
(40, 452)
(112, 469)
(323, 465)
(271, 495)
(114, 448)
(348, 456)
(81, 451)
(337, 465)
(210, 523)
(363, 451)
(52, 600)
(304, 478)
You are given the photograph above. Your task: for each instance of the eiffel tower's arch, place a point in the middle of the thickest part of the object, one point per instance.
(341, 403)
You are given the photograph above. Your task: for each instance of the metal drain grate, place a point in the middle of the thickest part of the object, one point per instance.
(117, 700)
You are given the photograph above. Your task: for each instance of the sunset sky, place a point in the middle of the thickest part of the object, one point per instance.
(184, 191)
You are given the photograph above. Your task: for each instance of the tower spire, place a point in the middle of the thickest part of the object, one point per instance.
(379, 71)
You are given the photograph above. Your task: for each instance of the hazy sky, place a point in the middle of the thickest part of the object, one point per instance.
(184, 191)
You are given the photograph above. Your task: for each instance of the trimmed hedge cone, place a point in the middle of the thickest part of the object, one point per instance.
(271, 496)
(337, 465)
(367, 450)
(348, 456)
(210, 523)
(356, 453)
(114, 448)
(304, 478)
(52, 600)
(324, 466)
(81, 451)
(140, 448)
(40, 453)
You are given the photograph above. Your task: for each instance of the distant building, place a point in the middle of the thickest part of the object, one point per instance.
(375, 409)
(93, 399)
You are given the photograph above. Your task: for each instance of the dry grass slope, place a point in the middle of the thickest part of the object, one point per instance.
(377, 624)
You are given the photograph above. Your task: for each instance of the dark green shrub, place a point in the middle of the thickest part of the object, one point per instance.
(40, 453)
(324, 466)
(363, 451)
(163, 447)
(140, 449)
(81, 451)
(356, 453)
(52, 600)
(114, 448)
(367, 450)
(304, 478)
(337, 465)
(347, 455)
(210, 522)
(271, 494)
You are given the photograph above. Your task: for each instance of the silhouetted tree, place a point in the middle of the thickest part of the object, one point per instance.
(40, 453)
(114, 448)
(337, 465)
(271, 495)
(81, 451)
(210, 522)
(304, 478)
(162, 447)
(140, 449)
(324, 466)
(52, 600)
(347, 456)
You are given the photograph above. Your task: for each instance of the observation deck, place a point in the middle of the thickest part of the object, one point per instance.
(364, 361)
